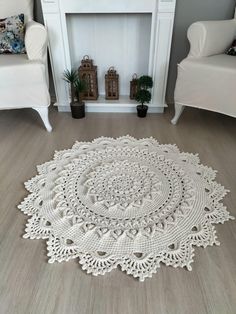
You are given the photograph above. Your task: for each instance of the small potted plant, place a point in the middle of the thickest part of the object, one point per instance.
(143, 95)
(77, 87)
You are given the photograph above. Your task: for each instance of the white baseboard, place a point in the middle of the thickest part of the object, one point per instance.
(124, 104)
(118, 109)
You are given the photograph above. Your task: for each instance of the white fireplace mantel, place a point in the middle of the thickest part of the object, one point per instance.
(162, 18)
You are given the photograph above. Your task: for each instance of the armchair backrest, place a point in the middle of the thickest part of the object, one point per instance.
(14, 7)
(211, 37)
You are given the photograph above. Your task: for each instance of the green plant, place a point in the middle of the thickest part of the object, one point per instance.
(71, 77)
(77, 86)
(144, 95)
(80, 87)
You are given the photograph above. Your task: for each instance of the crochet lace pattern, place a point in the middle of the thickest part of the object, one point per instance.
(124, 202)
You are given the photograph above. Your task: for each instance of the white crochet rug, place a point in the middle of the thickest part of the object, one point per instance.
(124, 202)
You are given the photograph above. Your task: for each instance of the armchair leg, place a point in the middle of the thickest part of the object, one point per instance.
(178, 111)
(43, 112)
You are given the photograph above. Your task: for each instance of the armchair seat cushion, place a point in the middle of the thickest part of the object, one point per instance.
(23, 80)
(208, 83)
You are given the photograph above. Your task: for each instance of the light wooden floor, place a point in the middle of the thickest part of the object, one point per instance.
(28, 284)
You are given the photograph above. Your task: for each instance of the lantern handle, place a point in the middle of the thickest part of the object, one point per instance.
(135, 76)
(112, 69)
(86, 57)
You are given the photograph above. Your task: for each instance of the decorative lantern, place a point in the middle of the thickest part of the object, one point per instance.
(134, 86)
(88, 73)
(112, 84)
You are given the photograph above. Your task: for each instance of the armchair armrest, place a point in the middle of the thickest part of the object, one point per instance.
(36, 41)
(211, 37)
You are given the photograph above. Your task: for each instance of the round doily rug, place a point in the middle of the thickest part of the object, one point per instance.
(124, 202)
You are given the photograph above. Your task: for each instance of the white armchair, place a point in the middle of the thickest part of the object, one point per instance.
(207, 77)
(24, 78)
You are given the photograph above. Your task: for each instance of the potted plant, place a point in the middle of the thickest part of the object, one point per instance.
(77, 87)
(143, 95)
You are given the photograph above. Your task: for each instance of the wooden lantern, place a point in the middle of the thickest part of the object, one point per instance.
(134, 86)
(88, 73)
(112, 84)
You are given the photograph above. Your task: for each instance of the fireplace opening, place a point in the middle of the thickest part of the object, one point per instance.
(119, 40)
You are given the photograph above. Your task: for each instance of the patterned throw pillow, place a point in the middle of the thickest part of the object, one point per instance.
(232, 49)
(12, 34)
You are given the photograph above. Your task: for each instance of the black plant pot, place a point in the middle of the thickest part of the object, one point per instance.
(142, 111)
(78, 110)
